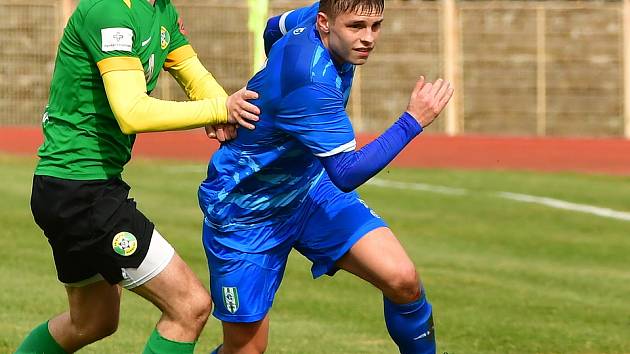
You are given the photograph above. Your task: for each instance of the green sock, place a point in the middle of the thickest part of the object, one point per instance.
(160, 345)
(40, 341)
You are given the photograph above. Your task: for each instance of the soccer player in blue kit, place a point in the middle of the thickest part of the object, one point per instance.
(289, 183)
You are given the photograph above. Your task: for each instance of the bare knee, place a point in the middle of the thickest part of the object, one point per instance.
(403, 285)
(95, 330)
(106, 329)
(202, 308)
(192, 311)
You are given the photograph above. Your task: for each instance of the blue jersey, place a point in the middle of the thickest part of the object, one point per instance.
(258, 179)
(279, 26)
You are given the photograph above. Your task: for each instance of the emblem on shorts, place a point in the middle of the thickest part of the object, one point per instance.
(125, 244)
(230, 298)
(165, 37)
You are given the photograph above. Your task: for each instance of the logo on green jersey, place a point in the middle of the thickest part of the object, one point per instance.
(165, 37)
(125, 244)
(230, 298)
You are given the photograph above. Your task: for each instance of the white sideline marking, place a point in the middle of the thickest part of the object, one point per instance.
(525, 198)
(561, 204)
(417, 186)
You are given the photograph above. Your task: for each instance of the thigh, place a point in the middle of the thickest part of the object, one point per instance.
(378, 257)
(172, 288)
(122, 233)
(335, 223)
(243, 284)
(156, 260)
(92, 227)
(61, 208)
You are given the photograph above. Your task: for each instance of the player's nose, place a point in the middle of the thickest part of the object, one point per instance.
(368, 36)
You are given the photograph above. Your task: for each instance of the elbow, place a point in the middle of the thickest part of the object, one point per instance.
(127, 112)
(268, 40)
(346, 189)
(269, 27)
(344, 186)
(272, 33)
(128, 130)
(126, 127)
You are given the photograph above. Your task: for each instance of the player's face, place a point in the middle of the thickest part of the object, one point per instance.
(353, 35)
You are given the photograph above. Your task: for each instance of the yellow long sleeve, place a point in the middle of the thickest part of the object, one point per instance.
(136, 112)
(195, 80)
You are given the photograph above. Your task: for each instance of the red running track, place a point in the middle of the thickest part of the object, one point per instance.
(601, 156)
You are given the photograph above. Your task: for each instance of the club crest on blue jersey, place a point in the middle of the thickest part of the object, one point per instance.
(230, 298)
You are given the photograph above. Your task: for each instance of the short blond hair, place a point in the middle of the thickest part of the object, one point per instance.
(333, 8)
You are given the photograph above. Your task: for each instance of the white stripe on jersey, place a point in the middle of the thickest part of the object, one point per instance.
(283, 22)
(348, 147)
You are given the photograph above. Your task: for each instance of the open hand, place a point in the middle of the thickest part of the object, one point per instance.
(428, 100)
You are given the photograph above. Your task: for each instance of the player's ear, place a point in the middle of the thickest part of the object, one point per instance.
(322, 22)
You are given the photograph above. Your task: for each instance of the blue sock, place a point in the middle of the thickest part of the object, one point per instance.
(411, 326)
(216, 350)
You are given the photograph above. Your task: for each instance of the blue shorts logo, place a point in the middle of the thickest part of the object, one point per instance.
(230, 299)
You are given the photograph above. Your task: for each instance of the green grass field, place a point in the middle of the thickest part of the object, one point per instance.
(503, 276)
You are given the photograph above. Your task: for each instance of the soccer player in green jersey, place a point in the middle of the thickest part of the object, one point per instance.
(108, 62)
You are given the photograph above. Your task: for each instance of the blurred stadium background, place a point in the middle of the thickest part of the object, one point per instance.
(522, 68)
(542, 85)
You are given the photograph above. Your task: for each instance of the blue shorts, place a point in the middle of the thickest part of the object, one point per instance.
(323, 229)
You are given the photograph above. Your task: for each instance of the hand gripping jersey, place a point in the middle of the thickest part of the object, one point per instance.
(259, 178)
(82, 138)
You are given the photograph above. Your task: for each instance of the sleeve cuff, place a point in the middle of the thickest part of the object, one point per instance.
(410, 124)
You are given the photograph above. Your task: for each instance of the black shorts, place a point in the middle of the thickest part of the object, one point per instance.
(92, 227)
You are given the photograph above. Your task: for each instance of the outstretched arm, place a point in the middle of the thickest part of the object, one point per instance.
(278, 26)
(349, 170)
(199, 84)
(136, 112)
(108, 36)
(315, 115)
(192, 76)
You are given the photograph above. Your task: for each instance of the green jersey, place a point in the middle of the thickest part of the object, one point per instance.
(82, 139)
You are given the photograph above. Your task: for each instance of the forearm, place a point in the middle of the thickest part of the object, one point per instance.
(195, 80)
(351, 169)
(136, 112)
